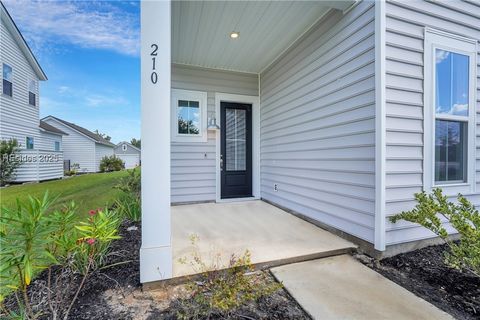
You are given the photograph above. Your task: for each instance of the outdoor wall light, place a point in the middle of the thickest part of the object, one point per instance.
(212, 124)
(234, 35)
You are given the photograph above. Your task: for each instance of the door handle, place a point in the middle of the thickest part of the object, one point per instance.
(221, 162)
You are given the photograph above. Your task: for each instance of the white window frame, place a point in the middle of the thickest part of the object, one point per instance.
(124, 147)
(26, 143)
(55, 146)
(11, 82)
(435, 39)
(201, 97)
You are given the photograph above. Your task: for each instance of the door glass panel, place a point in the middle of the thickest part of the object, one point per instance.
(236, 139)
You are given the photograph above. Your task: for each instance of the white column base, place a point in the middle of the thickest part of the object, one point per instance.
(156, 264)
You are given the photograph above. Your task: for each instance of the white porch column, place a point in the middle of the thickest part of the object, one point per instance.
(156, 251)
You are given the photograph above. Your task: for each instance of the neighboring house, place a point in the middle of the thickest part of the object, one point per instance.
(129, 154)
(338, 111)
(40, 144)
(82, 146)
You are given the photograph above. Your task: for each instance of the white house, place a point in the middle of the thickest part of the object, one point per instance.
(129, 154)
(40, 144)
(335, 110)
(82, 146)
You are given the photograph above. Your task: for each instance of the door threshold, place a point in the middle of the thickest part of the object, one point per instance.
(237, 199)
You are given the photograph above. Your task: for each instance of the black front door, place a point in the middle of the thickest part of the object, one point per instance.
(236, 150)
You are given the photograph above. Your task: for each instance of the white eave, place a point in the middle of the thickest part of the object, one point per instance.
(22, 44)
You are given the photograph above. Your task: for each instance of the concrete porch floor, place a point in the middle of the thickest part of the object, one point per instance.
(273, 236)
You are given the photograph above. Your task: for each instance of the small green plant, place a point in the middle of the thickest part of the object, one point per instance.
(9, 160)
(112, 163)
(221, 291)
(128, 203)
(463, 254)
(33, 238)
(24, 234)
(73, 170)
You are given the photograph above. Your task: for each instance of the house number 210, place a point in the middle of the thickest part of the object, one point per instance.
(154, 75)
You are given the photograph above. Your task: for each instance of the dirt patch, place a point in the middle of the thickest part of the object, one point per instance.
(425, 273)
(116, 293)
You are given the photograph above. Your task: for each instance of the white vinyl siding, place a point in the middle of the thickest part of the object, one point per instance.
(47, 141)
(18, 118)
(76, 147)
(48, 165)
(193, 163)
(101, 151)
(318, 124)
(405, 27)
(130, 156)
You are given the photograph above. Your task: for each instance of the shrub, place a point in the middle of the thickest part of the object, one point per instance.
(219, 292)
(463, 254)
(32, 240)
(112, 163)
(9, 161)
(73, 170)
(128, 203)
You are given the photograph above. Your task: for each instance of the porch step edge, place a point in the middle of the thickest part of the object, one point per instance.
(160, 284)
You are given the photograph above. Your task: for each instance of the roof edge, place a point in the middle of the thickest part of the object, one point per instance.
(18, 37)
(131, 145)
(73, 127)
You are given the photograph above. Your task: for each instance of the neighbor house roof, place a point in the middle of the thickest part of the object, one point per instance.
(131, 145)
(46, 127)
(22, 44)
(95, 137)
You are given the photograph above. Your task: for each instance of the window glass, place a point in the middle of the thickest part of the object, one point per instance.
(32, 99)
(31, 86)
(29, 143)
(452, 74)
(450, 151)
(7, 80)
(57, 146)
(7, 72)
(188, 116)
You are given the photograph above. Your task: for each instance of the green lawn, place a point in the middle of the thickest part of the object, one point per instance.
(89, 191)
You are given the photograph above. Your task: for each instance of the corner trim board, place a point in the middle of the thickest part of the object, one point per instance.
(380, 129)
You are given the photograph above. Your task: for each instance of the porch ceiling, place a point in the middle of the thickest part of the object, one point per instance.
(201, 31)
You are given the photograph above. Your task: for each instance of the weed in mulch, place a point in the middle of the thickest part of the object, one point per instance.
(425, 273)
(278, 305)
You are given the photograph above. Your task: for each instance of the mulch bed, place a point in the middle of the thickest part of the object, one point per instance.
(115, 292)
(425, 273)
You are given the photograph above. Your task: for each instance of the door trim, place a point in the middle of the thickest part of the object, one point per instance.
(255, 102)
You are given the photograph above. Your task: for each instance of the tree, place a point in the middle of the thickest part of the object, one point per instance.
(103, 135)
(9, 161)
(136, 143)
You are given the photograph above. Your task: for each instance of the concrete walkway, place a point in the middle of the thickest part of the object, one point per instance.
(273, 236)
(342, 288)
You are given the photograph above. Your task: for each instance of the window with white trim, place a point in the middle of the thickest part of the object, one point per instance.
(189, 116)
(450, 79)
(57, 145)
(29, 143)
(7, 77)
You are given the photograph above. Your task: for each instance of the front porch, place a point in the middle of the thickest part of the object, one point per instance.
(272, 236)
(275, 104)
